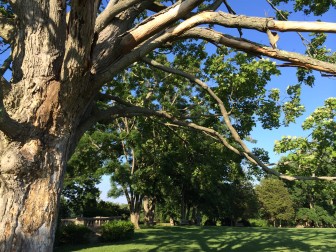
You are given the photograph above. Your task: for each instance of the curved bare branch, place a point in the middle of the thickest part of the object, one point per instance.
(131, 111)
(252, 47)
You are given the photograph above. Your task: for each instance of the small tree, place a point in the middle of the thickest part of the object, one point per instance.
(275, 201)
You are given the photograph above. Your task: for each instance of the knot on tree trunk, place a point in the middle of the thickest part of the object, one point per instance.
(21, 160)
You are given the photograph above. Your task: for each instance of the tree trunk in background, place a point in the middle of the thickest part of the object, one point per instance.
(135, 217)
(149, 208)
(134, 203)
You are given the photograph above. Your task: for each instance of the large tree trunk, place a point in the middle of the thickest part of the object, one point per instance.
(47, 99)
(29, 187)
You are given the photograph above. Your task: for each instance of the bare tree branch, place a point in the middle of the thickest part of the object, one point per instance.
(4, 84)
(156, 7)
(186, 30)
(255, 23)
(115, 112)
(111, 11)
(156, 23)
(251, 47)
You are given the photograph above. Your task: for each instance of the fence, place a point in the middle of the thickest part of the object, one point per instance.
(93, 222)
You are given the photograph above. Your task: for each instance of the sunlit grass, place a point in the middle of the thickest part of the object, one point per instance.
(221, 239)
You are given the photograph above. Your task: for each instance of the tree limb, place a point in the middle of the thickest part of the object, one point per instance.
(156, 23)
(4, 84)
(8, 126)
(111, 11)
(256, 23)
(5, 66)
(186, 30)
(251, 47)
(78, 46)
(139, 111)
(156, 7)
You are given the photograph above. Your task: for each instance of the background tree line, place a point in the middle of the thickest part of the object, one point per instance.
(169, 174)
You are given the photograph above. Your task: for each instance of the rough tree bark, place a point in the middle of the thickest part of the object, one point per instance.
(60, 61)
(47, 100)
(134, 203)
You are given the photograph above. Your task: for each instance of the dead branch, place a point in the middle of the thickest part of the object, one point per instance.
(251, 47)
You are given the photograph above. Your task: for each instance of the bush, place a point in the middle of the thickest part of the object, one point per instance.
(117, 230)
(259, 223)
(73, 234)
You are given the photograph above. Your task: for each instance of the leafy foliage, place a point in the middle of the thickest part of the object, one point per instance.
(117, 231)
(314, 155)
(84, 171)
(316, 7)
(276, 203)
(73, 234)
(316, 216)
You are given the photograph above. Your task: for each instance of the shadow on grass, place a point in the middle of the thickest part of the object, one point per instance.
(224, 239)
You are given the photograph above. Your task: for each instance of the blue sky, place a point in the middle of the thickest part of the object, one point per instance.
(311, 97)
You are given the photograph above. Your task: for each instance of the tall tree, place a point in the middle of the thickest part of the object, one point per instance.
(275, 200)
(64, 55)
(84, 171)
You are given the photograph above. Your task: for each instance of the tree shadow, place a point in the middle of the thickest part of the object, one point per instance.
(227, 239)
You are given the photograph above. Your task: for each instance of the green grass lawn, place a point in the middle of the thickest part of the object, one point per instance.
(220, 239)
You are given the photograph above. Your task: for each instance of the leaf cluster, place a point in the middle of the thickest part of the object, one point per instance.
(315, 7)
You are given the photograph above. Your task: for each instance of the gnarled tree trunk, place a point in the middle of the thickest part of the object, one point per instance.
(29, 188)
(41, 111)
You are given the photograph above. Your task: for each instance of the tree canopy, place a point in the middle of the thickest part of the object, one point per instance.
(184, 64)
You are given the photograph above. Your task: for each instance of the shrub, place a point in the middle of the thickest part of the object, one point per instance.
(117, 230)
(73, 234)
(259, 223)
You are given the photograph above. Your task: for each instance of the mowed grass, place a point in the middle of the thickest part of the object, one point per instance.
(220, 239)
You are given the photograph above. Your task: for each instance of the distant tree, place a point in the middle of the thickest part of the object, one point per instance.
(85, 169)
(315, 217)
(276, 204)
